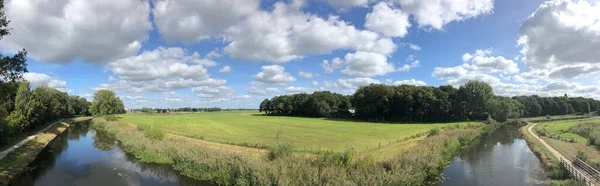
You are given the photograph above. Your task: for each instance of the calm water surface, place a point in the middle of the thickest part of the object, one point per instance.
(83, 156)
(501, 158)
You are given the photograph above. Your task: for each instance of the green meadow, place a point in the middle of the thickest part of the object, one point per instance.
(310, 134)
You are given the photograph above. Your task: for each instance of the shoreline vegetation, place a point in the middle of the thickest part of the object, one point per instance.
(283, 165)
(17, 161)
(550, 164)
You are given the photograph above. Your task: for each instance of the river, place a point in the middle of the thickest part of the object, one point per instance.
(84, 156)
(500, 158)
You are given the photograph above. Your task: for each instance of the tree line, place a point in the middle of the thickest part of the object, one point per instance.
(377, 102)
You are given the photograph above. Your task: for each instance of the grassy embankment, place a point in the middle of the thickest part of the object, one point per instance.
(306, 134)
(286, 164)
(16, 162)
(550, 164)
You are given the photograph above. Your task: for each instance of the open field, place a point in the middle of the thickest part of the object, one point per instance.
(567, 142)
(555, 118)
(309, 134)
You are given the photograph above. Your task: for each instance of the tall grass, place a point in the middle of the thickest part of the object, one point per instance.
(590, 131)
(282, 166)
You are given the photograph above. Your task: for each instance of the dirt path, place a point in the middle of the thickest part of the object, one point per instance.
(554, 152)
(561, 157)
(29, 138)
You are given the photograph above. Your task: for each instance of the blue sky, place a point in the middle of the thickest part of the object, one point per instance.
(234, 53)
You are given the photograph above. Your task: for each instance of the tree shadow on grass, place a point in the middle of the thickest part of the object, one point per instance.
(358, 120)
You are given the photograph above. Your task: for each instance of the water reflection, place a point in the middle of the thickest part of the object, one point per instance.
(83, 156)
(500, 158)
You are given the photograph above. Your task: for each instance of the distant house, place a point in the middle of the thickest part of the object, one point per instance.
(351, 110)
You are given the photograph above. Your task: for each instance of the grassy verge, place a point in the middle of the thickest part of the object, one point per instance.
(412, 165)
(550, 164)
(306, 134)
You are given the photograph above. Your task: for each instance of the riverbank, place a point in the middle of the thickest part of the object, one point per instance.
(16, 161)
(550, 163)
(420, 164)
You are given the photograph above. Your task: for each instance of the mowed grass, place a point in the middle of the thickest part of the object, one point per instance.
(309, 134)
(561, 129)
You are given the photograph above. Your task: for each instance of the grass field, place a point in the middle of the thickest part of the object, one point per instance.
(310, 134)
(561, 129)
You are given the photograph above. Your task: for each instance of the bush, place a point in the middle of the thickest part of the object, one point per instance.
(280, 150)
(17, 123)
(433, 132)
(154, 133)
(110, 118)
(490, 120)
(556, 172)
(582, 156)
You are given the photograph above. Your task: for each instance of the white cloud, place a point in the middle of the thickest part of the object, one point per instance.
(365, 64)
(407, 67)
(315, 83)
(62, 31)
(225, 69)
(335, 64)
(388, 21)
(348, 3)
(355, 82)
(286, 33)
(241, 97)
(437, 13)
(212, 82)
(573, 71)
(410, 82)
(38, 79)
(159, 70)
(448, 73)
(212, 92)
(474, 76)
(561, 33)
(274, 74)
(559, 86)
(482, 61)
(257, 91)
(412, 46)
(191, 21)
(293, 89)
(305, 74)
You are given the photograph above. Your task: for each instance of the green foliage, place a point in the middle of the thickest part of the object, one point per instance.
(317, 104)
(110, 118)
(556, 171)
(17, 122)
(582, 156)
(590, 131)
(106, 103)
(433, 132)
(504, 108)
(476, 94)
(142, 126)
(280, 150)
(154, 133)
(344, 159)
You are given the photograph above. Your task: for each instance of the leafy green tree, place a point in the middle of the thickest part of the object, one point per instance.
(106, 103)
(503, 108)
(476, 94)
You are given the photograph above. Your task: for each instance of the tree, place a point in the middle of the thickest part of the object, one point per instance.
(476, 94)
(503, 108)
(106, 103)
(22, 97)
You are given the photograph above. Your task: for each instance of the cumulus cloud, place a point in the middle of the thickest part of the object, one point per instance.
(559, 86)
(407, 67)
(160, 70)
(410, 82)
(191, 21)
(62, 31)
(482, 61)
(366, 64)
(448, 73)
(348, 3)
(388, 21)
(412, 46)
(354, 82)
(39, 79)
(474, 76)
(573, 71)
(561, 33)
(292, 89)
(286, 33)
(305, 74)
(225, 69)
(437, 13)
(274, 74)
(211, 92)
(258, 91)
(335, 64)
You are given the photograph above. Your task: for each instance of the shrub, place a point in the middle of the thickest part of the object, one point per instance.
(556, 172)
(17, 123)
(344, 159)
(433, 132)
(154, 134)
(582, 156)
(110, 118)
(280, 150)
(490, 120)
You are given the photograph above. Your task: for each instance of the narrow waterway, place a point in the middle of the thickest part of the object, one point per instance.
(83, 156)
(500, 158)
